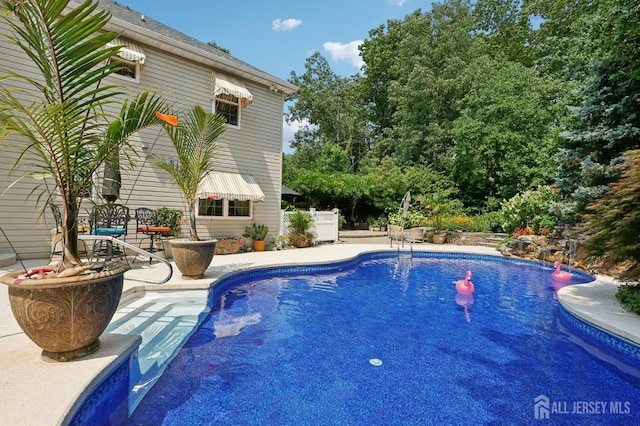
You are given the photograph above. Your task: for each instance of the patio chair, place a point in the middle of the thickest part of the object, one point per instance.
(109, 220)
(415, 235)
(56, 234)
(397, 233)
(147, 224)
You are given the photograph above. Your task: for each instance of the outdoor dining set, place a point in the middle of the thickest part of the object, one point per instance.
(112, 220)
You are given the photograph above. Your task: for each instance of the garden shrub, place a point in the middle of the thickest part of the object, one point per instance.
(488, 222)
(528, 208)
(629, 297)
(171, 218)
(413, 219)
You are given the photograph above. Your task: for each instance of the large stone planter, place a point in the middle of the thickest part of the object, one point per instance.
(66, 316)
(192, 257)
(439, 238)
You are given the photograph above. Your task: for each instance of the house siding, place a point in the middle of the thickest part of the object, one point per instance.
(253, 148)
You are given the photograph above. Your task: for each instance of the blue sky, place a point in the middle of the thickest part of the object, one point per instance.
(278, 35)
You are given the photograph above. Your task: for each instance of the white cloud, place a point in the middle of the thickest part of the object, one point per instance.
(398, 2)
(285, 25)
(288, 132)
(290, 129)
(341, 52)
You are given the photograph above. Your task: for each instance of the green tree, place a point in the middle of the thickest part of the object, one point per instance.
(388, 182)
(335, 121)
(430, 58)
(563, 44)
(380, 55)
(505, 28)
(505, 135)
(608, 121)
(614, 224)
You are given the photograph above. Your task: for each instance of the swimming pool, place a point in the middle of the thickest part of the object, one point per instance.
(384, 339)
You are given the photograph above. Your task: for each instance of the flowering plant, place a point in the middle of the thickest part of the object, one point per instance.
(524, 231)
(527, 207)
(171, 218)
(230, 245)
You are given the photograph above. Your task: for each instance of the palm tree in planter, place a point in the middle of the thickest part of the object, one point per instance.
(300, 234)
(194, 142)
(62, 125)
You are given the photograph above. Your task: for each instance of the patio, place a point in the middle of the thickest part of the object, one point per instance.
(57, 386)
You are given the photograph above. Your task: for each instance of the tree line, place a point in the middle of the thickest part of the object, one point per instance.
(474, 102)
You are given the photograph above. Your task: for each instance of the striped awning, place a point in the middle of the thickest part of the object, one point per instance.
(222, 84)
(129, 51)
(232, 186)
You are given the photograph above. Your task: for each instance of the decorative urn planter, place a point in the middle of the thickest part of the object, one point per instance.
(192, 257)
(439, 238)
(66, 316)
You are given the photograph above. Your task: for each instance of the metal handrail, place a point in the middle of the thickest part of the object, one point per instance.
(137, 250)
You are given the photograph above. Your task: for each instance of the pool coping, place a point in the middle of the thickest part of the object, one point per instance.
(596, 304)
(57, 395)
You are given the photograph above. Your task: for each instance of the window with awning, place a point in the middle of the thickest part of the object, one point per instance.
(224, 86)
(129, 51)
(232, 186)
(130, 58)
(228, 195)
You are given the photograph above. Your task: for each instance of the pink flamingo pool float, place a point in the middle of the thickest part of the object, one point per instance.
(465, 286)
(560, 275)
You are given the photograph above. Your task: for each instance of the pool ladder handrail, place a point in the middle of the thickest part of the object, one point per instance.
(137, 250)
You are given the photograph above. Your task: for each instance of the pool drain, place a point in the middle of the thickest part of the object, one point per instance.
(375, 362)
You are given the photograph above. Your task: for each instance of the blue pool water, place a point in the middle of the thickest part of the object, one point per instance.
(387, 340)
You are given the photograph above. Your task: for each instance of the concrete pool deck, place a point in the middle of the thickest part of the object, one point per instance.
(41, 393)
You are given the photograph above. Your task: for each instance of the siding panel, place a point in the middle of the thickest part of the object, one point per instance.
(255, 148)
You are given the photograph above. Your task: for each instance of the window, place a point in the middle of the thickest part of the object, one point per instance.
(130, 59)
(229, 107)
(208, 207)
(239, 208)
(224, 208)
(127, 69)
(229, 96)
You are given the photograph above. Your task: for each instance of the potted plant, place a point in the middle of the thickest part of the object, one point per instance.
(173, 219)
(257, 233)
(230, 245)
(68, 133)
(194, 142)
(299, 229)
(438, 206)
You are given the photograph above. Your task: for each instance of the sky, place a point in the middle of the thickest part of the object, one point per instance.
(277, 36)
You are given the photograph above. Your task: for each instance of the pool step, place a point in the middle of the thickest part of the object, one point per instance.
(492, 241)
(165, 321)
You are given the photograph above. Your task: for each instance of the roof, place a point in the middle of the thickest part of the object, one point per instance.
(149, 31)
(288, 191)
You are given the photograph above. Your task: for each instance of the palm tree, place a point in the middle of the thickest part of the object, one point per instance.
(194, 142)
(68, 127)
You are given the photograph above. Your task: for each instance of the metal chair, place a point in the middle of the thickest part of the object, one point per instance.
(56, 234)
(397, 233)
(147, 224)
(109, 220)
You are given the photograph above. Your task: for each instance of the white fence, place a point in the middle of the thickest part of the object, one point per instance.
(324, 225)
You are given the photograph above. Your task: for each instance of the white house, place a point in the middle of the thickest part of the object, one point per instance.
(246, 187)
